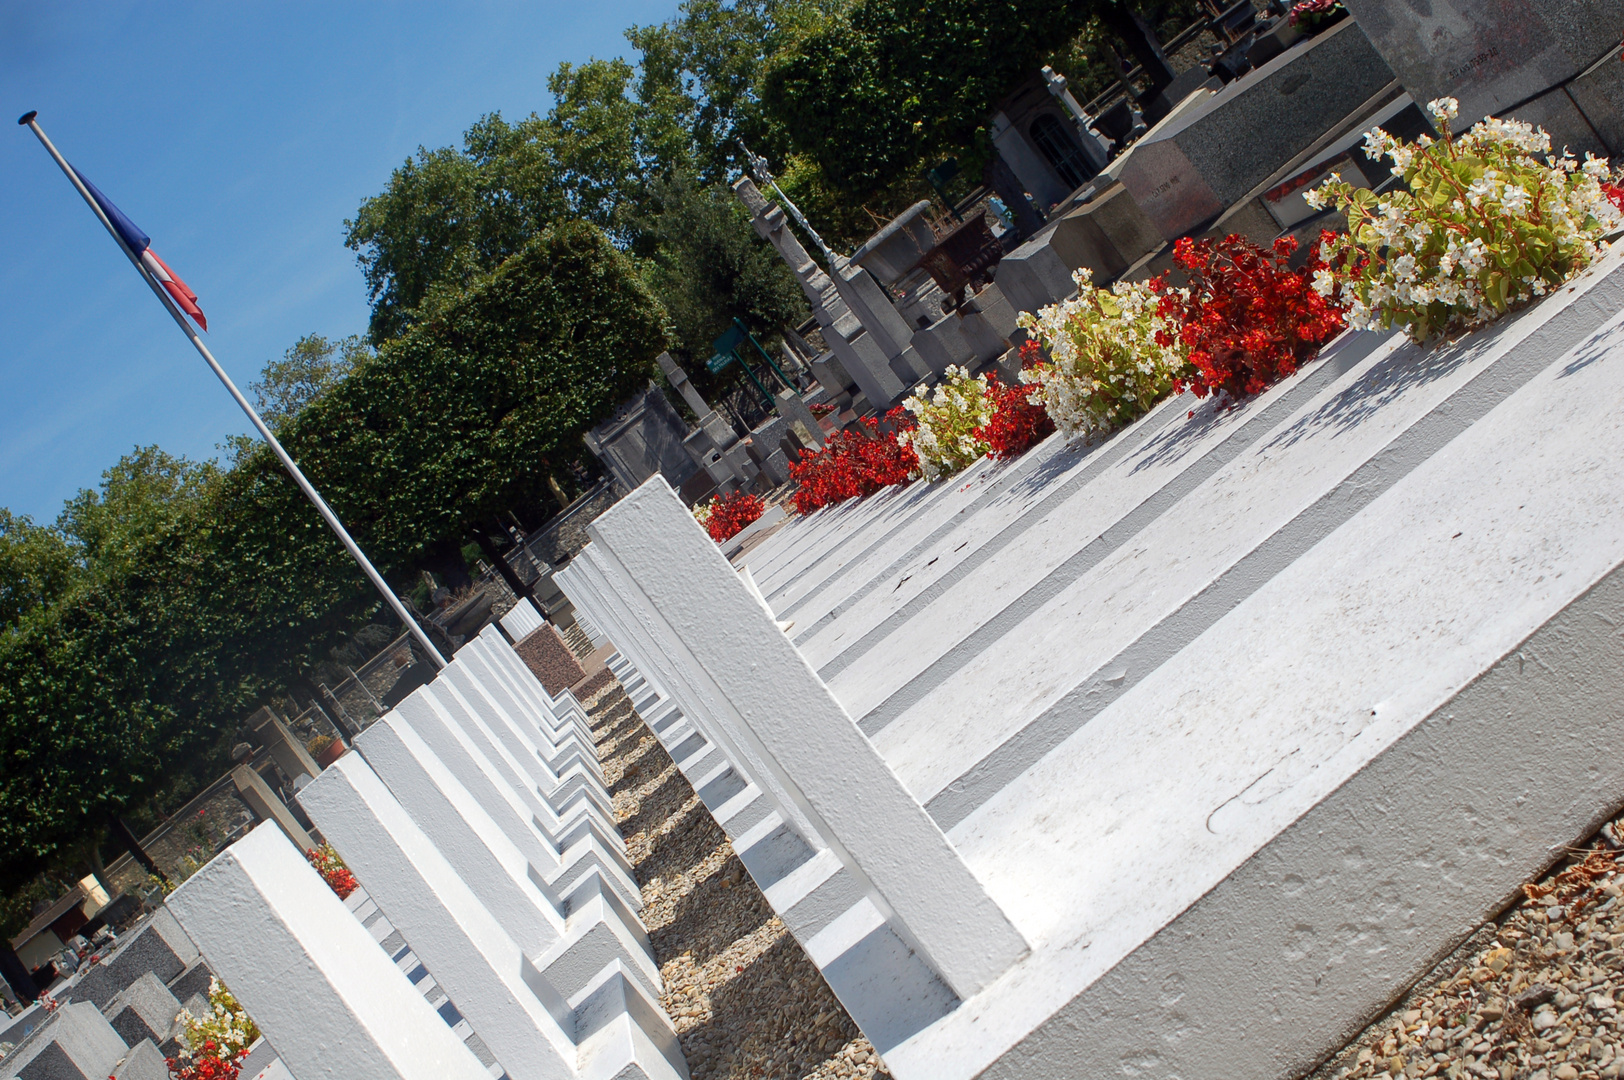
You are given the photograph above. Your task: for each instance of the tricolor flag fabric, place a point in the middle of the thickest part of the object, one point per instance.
(140, 243)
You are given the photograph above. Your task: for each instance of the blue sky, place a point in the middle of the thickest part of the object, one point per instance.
(239, 136)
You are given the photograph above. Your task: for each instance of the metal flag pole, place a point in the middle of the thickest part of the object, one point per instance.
(28, 120)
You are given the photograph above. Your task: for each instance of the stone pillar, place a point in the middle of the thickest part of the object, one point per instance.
(862, 358)
(858, 805)
(800, 419)
(680, 382)
(267, 806)
(290, 754)
(309, 973)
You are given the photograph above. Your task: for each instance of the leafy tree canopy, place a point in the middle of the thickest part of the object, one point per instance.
(709, 267)
(880, 88)
(310, 366)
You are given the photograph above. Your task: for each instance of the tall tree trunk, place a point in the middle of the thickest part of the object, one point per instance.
(1130, 27)
(494, 557)
(137, 852)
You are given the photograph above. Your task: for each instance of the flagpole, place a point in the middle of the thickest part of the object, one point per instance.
(28, 120)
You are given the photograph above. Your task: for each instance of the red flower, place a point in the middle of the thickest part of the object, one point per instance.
(854, 463)
(731, 513)
(1249, 319)
(332, 870)
(1614, 193)
(1018, 422)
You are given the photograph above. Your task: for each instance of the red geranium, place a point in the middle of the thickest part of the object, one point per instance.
(854, 463)
(1018, 423)
(208, 1066)
(332, 870)
(1249, 320)
(1615, 194)
(729, 514)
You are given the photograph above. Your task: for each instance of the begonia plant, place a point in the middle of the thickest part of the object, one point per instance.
(949, 419)
(1110, 356)
(326, 862)
(1247, 319)
(1487, 222)
(729, 514)
(213, 1045)
(855, 462)
(1018, 422)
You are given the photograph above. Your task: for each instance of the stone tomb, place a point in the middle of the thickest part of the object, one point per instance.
(1195, 166)
(1494, 56)
(1239, 719)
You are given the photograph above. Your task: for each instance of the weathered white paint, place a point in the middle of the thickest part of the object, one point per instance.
(310, 975)
(518, 1013)
(865, 814)
(1391, 735)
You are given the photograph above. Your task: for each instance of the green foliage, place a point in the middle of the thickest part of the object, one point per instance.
(702, 70)
(36, 567)
(448, 216)
(457, 420)
(165, 604)
(309, 366)
(886, 86)
(709, 267)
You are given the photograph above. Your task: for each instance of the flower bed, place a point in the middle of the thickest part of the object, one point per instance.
(1247, 319)
(213, 1045)
(725, 516)
(948, 420)
(1490, 221)
(1019, 420)
(853, 463)
(1111, 356)
(332, 870)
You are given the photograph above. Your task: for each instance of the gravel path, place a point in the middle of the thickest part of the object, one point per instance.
(746, 1001)
(1533, 995)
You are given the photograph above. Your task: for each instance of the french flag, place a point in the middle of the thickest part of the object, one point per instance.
(140, 243)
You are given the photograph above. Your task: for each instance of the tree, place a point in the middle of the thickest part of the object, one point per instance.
(703, 68)
(455, 421)
(36, 567)
(448, 216)
(709, 267)
(310, 366)
(875, 92)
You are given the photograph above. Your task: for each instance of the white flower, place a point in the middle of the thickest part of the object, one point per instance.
(1444, 108)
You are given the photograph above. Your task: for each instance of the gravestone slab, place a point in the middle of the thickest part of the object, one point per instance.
(644, 437)
(145, 1062)
(309, 973)
(1599, 93)
(146, 1009)
(1488, 54)
(192, 982)
(76, 1043)
(160, 947)
(1194, 167)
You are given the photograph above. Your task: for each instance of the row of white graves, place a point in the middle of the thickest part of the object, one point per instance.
(497, 932)
(1183, 753)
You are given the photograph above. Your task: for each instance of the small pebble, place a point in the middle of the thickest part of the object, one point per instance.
(745, 1000)
(1533, 996)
